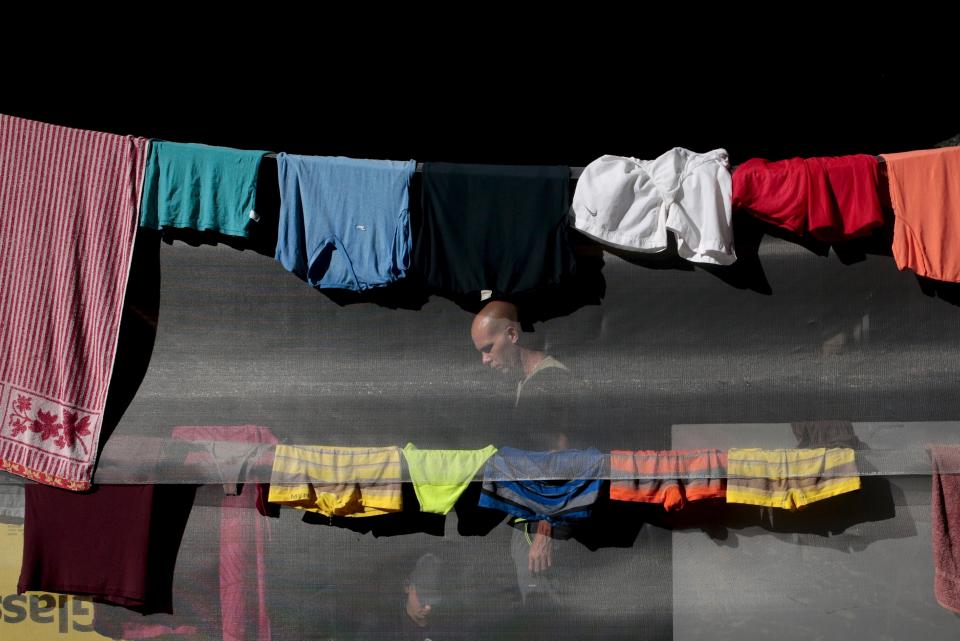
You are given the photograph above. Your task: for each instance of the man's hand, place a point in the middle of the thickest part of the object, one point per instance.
(541, 550)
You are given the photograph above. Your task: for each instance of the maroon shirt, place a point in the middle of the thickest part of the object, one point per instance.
(116, 543)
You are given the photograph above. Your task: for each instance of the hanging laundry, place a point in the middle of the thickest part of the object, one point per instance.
(69, 200)
(632, 204)
(337, 481)
(77, 613)
(494, 229)
(789, 479)
(775, 192)
(826, 434)
(117, 543)
(926, 202)
(945, 524)
(344, 223)
(832, 198)
(440, 476)
(559, 487)
(243, 534)
(191, 186)
(671, 478)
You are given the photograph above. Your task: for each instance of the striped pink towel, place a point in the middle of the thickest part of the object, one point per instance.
(945, 524)
(68, 213)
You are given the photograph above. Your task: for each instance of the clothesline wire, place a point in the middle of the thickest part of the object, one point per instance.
(575, 172)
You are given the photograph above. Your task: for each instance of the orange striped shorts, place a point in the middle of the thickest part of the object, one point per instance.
(670, 477)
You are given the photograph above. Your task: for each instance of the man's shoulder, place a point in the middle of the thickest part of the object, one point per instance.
(551, 375)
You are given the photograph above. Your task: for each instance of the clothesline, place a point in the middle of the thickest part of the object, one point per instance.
(575, 172)
(139, 459)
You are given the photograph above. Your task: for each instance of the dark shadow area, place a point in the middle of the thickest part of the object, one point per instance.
(473, 520)
(747, 272)
(847, 522)
(407, 293)
(947, 292)
(614, 524)
(586, 287)
(856, 250)
(138, 331)
(171, 511)
(666, 259)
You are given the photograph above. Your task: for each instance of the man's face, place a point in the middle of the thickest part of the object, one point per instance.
(497, 344)
(416, 610)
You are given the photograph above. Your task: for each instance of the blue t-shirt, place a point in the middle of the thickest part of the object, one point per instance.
(344, 222)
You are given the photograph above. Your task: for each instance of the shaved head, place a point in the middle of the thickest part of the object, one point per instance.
(495, 332)
(497, 314)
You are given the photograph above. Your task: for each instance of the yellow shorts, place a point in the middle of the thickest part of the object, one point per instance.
(789, 479)
(337, 481)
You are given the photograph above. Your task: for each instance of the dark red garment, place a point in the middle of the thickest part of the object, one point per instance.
(116, 543)
(945, 524)
(831, 198)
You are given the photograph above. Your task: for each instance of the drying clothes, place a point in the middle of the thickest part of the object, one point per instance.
(191, 186)
(496, 228)
(121, 548)
(559, 487)
(789, 479)
(40, 628)
(670, 478)
(832, 198)
(632, 204)
(344, 223)
(844, 197)
(337, 481)
(227, 454)
(63, 276)
(440, 476)
(926, 230)
(945, 526)
(243, 534)
(775, 192)
(826, 434)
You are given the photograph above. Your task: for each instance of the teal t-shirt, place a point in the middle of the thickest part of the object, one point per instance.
(199, 187)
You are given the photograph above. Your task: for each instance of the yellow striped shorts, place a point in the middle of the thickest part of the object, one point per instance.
(337, 481)
(789, 479)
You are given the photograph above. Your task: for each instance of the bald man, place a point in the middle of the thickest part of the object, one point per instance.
(545, 407)
(497, 335)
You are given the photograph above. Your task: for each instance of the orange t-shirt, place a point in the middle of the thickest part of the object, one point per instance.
(925, 193)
